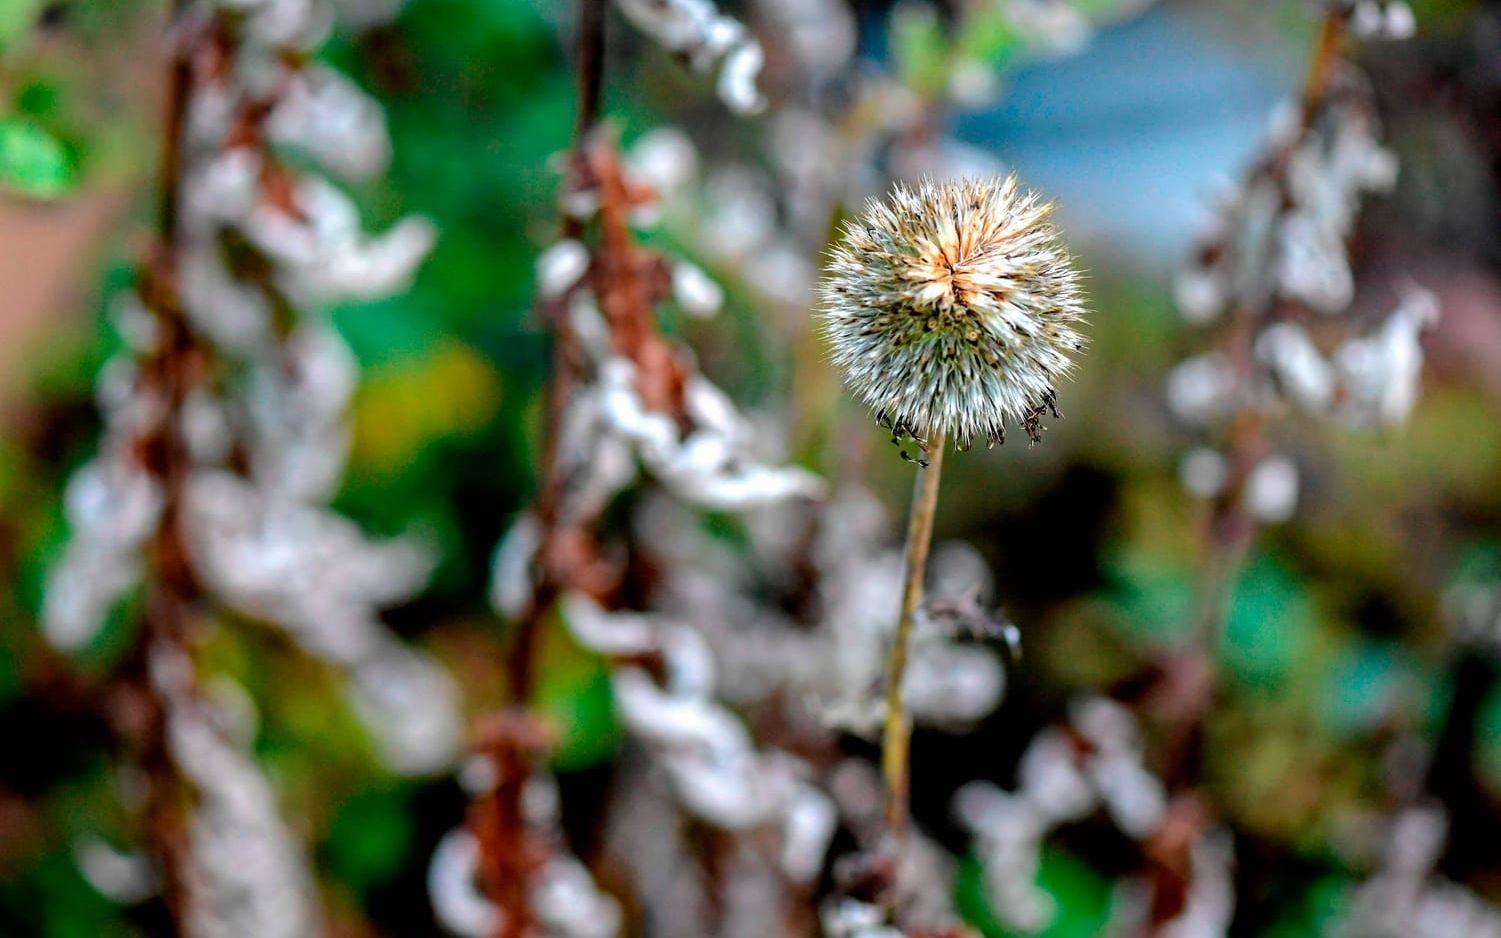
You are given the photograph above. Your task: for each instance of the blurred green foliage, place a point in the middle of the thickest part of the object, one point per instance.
(1079, 894)
(16, 19)
(32, 161)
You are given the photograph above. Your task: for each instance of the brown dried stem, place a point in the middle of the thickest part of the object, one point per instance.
(510, 852)
(167, 373)
(627, 282)
(895, 761)
(171, 588)
(565, 548)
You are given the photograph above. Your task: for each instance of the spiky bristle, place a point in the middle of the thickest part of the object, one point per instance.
(954, 307)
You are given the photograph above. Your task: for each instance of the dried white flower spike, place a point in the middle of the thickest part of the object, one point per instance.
(954, 309)
(697, 31)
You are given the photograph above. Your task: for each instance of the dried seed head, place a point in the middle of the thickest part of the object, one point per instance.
(954, 307)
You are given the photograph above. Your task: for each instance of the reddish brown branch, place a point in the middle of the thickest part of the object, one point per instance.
(167, 373)
(171, 587)
(629, 282)
(510, 852)
(1321, 64)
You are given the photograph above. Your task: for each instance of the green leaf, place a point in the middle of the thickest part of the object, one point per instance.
(988, 37)
(1269, 626)
(32, 161)
(1311, 912)
(1081, 897)
(16, 16)
(1488, 740)
(49, 898)
(574, 691)
(370, 837)
(1153, 595)
(585, 710)
(921, 49)
(39, 98)
(1367, 681)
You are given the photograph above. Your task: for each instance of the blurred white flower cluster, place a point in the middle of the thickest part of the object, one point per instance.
(226, 361)
(1065, 775)
(1282, 233)
(113, 506)
(820, 669)
(318, 576)
(268, 448)
(1370, 380)
(830, 660)
(706, 38)
(710, 757)
(1405, 897)
(1381, 19)
(1068, 773)
(1275, 264)
(248, 877)
(564, 900)
(705, 455)
(633, 404)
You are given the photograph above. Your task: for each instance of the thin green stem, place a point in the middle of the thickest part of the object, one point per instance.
(895, 763)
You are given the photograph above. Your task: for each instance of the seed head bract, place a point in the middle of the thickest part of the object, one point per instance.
(953, 307)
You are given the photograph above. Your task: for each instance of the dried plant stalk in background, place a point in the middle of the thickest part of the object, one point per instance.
(621, 396)
(224, 438)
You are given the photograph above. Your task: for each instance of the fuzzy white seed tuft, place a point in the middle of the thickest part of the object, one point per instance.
(954, 308)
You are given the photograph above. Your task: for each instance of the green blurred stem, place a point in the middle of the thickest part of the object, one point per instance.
(895, 761)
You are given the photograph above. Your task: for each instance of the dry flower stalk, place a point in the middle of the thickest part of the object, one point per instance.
(897, 738)
(953, 311)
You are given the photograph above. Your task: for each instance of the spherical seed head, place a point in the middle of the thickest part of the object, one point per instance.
(954, 307)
